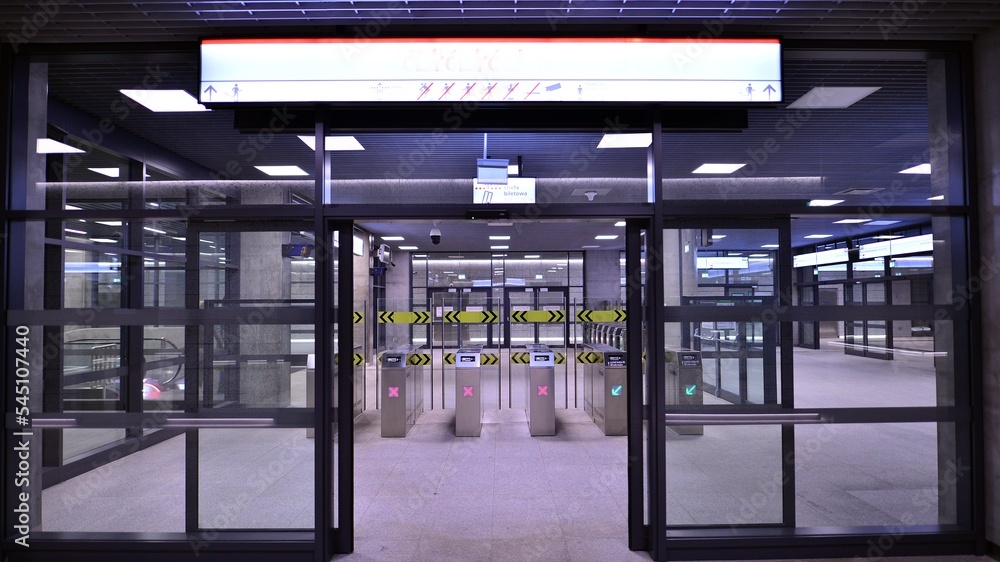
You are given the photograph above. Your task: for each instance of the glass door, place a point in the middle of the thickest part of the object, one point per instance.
(527, 299)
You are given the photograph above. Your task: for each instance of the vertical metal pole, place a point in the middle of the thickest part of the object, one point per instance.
(784, 298)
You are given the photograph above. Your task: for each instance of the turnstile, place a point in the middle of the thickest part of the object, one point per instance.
(684, 388)
(468, 392)
(605, 389)
(541, 399)
(401, 391)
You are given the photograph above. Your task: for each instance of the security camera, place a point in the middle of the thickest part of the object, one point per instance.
(435, 235)
(590, 195)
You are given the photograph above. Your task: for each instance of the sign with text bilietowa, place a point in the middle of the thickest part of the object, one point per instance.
(732, 71)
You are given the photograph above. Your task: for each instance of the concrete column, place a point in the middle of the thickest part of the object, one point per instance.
(680, 275)
(264, 274)
(987, 112)
(601, 276)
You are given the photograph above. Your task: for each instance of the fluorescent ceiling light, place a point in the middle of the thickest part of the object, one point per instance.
(887, 236)
(499, 256)
(532, 257)
(851, 221)
(392, 238)
(282, 170)
(818, 236)
(512, 169)
(165, 101)
(770, 246)
(109, 223)
(104, 240)
(760, 255)
(589, 247)
(936, 198)
(827, 97)
(420, 255)
(499, 247)
(49, 146)
(824, 202)
(881, 223)
(620, 223)
(606, 237)
(75, 231)
(407, 247)
(918, 169)
(500, 237)
(151, 229)
(717, 168)
(626, 140)
(110, 172)
(718, 236)
(181, 238)
(333, 143)
(73, 208)
(456, 257)
(71, 251)
(205, 241)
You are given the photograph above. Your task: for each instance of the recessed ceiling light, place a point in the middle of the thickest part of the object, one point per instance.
(887, 236)
(420, 255)
(626, 140)
(456, 257)
(164, 101)
(828, 97)
(606, 237)
(49, 146)
(824, 202)
(181, 238)
(109, 223)
(851, 221)
(407, 247)
(759, 255)
(717, 168)
(499, 256)
(500, 237)
(881, 223)
(918, 169)
(73, 208)
(620, 223)
(110, 172)
(532, 257)
(156, 230)
(104, 240)
(770, 246)
(818, 236)
(75, 231)
(333, 143)
(936, 198)
(499, 247)
(392, 238)
(590, 247)
(282, 170)
(718, 236)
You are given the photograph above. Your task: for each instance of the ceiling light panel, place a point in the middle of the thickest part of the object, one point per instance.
(275, 171)
(333, 143)
(709, 168)
(829, 97)
(626, 140)
(165, 101)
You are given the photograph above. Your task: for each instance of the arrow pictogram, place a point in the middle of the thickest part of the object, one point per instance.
(449, 358)
(359, 359)
(690, 389)
(359, 317)
(419, 359)
(616, 390)
(489, 359)
(519, 357)
(560, 358)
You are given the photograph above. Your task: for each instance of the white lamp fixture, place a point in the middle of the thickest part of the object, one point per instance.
(282, 170)
(626, 140)
(829, 97)
(332, 143)
(918, 169)
(825, 202)
(818, 236)
(49, 146)
(851, 221)
(110, 172)
(606, 237)
(393, 238)
(709, 168)
(165, 101)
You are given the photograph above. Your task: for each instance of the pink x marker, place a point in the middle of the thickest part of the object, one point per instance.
(393, 392)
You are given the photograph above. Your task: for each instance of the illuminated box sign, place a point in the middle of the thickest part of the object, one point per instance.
(723, 262)
(491, 70)
(516, 190)
(898, 247)
(820, 258)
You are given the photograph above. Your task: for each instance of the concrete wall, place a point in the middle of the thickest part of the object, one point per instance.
(987, 112)
(601, 276)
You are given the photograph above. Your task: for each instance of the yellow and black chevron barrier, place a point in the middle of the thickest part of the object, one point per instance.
(538, 316)
(520, 357)
(489, 358)
(359, 359)
(419, 359)
(560, 358)
(471, 317)
(618, 315)
(404, 317)
(589, 357)
(359, 317)
(448, 358)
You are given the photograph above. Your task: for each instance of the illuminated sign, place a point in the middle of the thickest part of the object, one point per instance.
(820, 258)
(690, 389)
(477, 70)
(543, 390)
(616, 390)
(468, 391)
(898, 247)
(393, 392)
(516, 190)
(723, 262)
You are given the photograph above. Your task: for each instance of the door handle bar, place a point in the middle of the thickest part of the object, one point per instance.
(744, 419)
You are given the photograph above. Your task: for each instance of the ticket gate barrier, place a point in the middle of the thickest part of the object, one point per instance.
(468, 392)
(401, 389)
(541, 399)
(605, 389)
(684, 384)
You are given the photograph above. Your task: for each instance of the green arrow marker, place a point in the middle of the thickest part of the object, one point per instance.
(689, 389)
(616, 390)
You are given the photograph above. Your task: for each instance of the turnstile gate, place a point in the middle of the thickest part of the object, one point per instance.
(541, 400)
(468, 392)
(401, 391)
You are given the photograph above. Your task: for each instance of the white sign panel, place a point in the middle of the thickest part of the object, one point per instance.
(820, 258)
(490, 70)
(723, 262)
(517, 190)
(898, 247)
